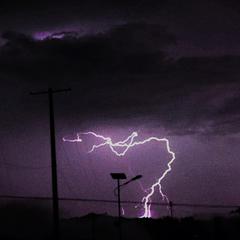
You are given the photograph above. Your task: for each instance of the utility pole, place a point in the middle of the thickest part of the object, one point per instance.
(55, 205)
(171, 208)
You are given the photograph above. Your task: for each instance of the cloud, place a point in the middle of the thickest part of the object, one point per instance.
(127, 48)
(124, 74)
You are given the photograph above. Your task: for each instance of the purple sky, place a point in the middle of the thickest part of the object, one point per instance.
(166, 69)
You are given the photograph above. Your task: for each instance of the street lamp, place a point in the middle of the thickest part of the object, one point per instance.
(118, 177)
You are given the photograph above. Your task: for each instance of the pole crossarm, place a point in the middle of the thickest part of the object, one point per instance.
(53, 91)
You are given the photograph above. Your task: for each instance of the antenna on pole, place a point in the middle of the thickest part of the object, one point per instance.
(55, 205)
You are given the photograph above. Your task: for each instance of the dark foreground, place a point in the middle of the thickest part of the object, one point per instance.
(24, 222)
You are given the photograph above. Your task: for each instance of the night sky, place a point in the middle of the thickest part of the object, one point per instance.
(163, 68)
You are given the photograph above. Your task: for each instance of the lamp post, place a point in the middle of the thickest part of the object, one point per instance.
(118, 177)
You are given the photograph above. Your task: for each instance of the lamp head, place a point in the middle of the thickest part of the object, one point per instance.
(118, 175)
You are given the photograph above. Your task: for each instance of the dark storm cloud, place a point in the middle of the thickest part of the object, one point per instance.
(74, 9)
(124, 73)
(125, 49)
(202, 27)
(27, 16)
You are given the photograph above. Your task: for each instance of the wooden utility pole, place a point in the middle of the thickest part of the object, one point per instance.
(55, 204)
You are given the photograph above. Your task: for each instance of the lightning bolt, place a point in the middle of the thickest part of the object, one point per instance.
(125, 145)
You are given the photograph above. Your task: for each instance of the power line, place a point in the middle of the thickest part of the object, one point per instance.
(124, 202)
